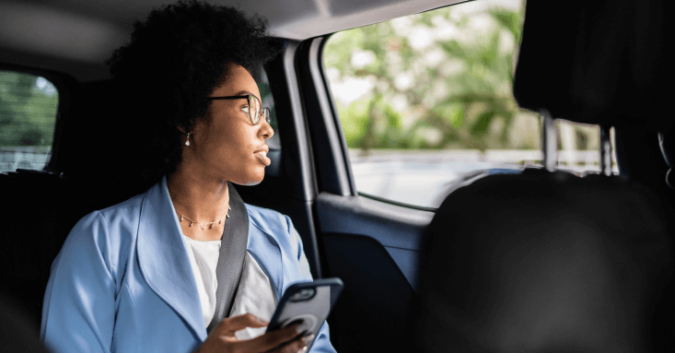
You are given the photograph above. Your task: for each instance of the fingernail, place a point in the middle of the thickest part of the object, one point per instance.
(303, 349)
(308, 339)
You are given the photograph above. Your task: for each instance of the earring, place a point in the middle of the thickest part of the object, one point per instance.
(187, 143)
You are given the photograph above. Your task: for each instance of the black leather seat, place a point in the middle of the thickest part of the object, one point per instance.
(16, 330)
(547, 263)
(41, 208)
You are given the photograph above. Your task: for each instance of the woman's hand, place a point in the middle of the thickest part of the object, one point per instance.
(223, 340)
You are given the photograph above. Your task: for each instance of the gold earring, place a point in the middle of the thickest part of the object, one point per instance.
(187, 143)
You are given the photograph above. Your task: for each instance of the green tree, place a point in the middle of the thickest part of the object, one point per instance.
(28, 106)
(461, 99)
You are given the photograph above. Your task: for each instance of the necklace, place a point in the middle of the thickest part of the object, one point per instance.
(203, 225)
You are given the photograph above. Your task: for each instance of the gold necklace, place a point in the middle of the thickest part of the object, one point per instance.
(203, 225)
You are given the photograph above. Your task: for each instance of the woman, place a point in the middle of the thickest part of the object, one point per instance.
(150, 274)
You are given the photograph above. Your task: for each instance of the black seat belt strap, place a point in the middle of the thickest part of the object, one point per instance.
(231, 257)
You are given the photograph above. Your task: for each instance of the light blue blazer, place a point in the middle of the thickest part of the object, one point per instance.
(123, 282)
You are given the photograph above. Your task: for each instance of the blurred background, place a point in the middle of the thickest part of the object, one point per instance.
(28, 107)
(426, 102)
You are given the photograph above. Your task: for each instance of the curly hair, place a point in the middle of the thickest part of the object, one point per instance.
(175, 59)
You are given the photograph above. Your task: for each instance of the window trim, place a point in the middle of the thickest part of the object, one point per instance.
(334, 173)
(397, 203)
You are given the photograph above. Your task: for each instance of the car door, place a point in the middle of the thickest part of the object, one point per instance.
(372, 245)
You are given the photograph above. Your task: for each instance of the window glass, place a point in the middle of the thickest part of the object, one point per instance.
(28, 106)
(426, 102)
(268, 101)
(579, 148)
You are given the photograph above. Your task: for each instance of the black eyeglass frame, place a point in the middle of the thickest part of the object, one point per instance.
(255, 118)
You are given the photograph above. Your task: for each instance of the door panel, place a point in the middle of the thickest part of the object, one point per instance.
(372, 312)
(391, 225)
(373, 246)
(407, 261)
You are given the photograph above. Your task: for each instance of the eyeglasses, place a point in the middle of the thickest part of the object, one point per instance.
(255, 109)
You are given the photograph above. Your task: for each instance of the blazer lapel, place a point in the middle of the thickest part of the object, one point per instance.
(163, 260)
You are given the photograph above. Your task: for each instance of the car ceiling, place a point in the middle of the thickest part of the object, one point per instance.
(77, 36)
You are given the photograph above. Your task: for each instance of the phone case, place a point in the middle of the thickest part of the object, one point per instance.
(308, 303)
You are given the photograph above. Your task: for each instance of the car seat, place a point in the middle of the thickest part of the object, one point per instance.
(546, 261)
(42, 206)
(16, 333)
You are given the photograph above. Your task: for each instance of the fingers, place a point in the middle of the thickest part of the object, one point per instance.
(278, 339)
(232, 324)
(295, 346)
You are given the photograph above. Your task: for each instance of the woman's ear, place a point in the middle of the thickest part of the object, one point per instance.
(187, 139)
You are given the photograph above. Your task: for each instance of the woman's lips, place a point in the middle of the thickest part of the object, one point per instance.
(262, 157)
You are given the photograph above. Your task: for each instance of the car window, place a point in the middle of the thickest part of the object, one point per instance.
(425, 102)
(268, 101)
(28, 108)
(579, 148)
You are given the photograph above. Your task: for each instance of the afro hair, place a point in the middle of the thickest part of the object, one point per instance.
(174, 60)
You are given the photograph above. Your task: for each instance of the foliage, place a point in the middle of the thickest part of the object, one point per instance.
(28, 106)
(450, 91)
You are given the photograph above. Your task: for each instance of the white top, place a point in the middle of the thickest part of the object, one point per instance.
(254, 295)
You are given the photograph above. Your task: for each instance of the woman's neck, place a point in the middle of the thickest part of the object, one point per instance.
(201, 199)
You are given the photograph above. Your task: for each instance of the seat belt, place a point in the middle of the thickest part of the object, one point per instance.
(231, 257)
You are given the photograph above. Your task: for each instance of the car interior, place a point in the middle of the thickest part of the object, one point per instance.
(468, 276)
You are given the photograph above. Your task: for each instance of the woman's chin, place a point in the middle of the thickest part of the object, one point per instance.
(253, 179)
(252, 183)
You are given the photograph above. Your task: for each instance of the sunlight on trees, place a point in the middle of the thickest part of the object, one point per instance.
(28, 106)
(440, 79)
(27, 110)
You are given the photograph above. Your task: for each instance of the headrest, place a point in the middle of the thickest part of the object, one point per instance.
(547, 263)
(598, 61)
(98, 145)
(89, 135)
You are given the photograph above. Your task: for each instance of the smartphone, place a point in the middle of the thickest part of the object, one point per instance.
(307, 304)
